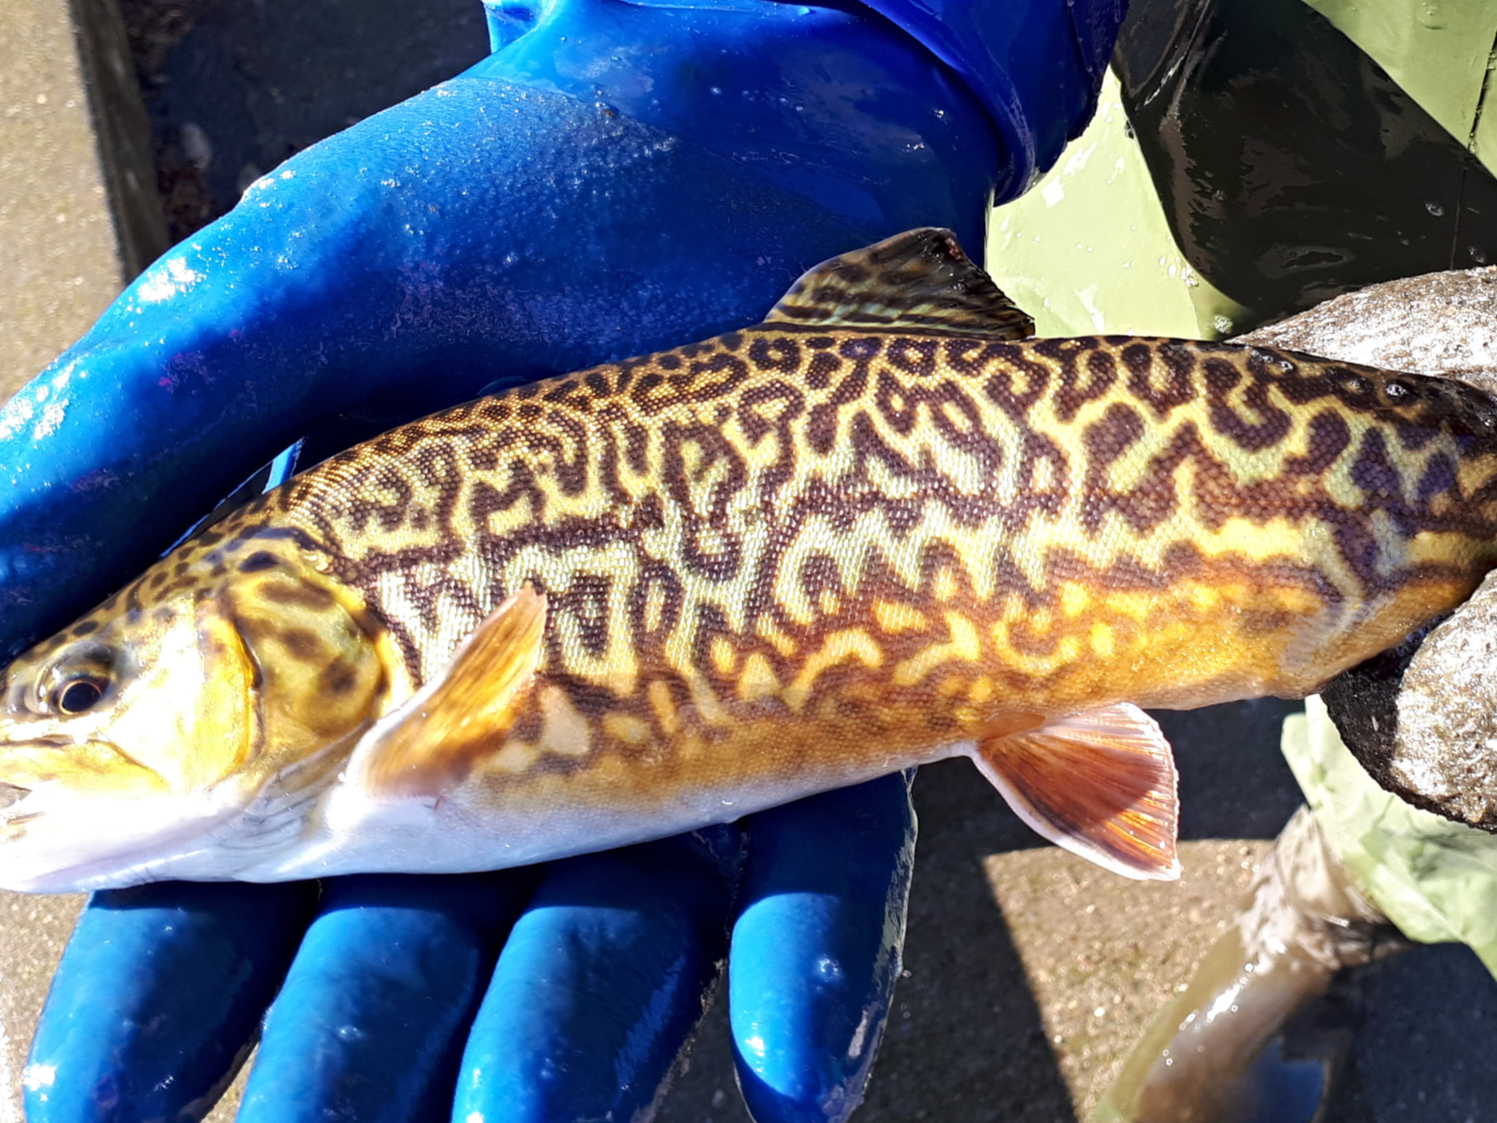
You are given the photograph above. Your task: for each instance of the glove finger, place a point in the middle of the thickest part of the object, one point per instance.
(369, 1023)
(816, 947)
(157, 997)
(601, 983)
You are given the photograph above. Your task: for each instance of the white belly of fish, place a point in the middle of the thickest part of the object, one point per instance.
(469, 830)
(341, 829)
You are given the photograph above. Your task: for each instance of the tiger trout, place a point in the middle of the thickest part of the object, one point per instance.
(879, 528)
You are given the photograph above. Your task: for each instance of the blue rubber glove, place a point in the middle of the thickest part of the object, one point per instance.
(600, 981)
(616, 178)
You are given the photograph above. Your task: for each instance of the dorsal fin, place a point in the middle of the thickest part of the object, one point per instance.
(916, 280)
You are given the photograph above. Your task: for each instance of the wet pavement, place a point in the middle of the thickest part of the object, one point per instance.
(1028, 973)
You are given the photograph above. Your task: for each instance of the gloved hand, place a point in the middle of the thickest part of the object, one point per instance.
(615, 179)
(605, 964)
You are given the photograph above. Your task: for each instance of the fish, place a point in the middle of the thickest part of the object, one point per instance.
(881, 527)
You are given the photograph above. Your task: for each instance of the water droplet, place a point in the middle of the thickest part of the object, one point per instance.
(1432, 15)
(1434, 208)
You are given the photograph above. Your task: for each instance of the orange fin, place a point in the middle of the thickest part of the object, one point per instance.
(1100, 783)
(429, 744)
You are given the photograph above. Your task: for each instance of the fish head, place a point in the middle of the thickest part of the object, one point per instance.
(134, 743)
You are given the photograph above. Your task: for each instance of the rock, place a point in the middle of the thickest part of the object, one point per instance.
(1422, 719)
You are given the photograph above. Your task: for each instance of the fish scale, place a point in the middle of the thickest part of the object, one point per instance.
(894, 510)
(876, 529)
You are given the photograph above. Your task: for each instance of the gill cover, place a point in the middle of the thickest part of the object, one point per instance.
(132, 744)
(318, 656)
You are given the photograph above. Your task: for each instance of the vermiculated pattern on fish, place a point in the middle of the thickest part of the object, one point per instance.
(874, 530)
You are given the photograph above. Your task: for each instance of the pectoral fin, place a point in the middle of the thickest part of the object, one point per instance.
(1100, 783)
(430, 743)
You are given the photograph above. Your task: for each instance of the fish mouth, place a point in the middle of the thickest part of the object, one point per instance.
(22, 803)
(13, 813)
(54, 840)
(10, 795)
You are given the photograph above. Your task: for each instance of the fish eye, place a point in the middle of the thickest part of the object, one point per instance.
(78, 694)
(79, 678)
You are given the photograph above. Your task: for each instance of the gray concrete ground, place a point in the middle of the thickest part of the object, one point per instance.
(1028, 973)
(60, 247)
(73, 226)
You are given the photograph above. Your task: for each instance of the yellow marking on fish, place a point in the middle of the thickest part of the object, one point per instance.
(626, 728)
(945, 586)
(664, 708)
(894, 617)
(766, 628)
(723, 656)
(850, 644)
(566, 732)
(654, 607)
(515, 757)
(758, 680)
(1074, 599)
(963, 647)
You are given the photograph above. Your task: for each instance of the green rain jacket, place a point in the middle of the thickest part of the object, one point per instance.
(1435, 879)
